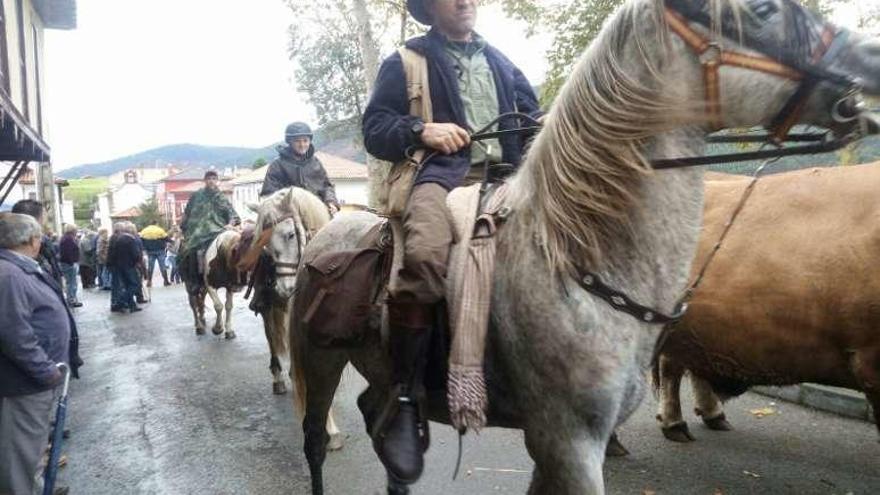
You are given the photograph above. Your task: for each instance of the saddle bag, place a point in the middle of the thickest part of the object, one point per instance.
(343, 287)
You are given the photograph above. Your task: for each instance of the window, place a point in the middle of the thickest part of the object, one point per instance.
(4, 50)
(22, 60)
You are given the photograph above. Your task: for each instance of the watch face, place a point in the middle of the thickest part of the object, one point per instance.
(418, 128)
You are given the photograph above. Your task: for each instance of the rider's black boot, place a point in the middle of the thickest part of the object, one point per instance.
(401, 436)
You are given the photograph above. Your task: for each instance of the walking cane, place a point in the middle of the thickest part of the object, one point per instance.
(57, 434)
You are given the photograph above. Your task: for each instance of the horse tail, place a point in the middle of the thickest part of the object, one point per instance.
(297, 351)
(655, 374)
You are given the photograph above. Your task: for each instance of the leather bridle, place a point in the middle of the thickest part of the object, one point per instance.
(808, 73)
(285, 269)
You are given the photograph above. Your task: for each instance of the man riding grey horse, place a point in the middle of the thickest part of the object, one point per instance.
(296, 166)
(471, 84)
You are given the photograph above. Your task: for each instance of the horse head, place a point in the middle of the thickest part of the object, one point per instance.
(662, 75)
(286, 222)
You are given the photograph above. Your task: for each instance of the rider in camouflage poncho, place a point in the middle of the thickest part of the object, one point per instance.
(207, 214)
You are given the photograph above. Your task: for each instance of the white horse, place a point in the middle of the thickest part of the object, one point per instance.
(286, 221)
(566, 365)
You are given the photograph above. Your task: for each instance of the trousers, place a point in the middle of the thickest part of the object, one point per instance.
(24, 433)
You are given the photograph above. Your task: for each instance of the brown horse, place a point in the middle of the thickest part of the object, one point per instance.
(792, 295)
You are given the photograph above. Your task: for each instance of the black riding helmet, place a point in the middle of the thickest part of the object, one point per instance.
(419, 11)
(297, 129)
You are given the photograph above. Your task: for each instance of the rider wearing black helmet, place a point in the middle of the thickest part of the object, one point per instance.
(298, 166)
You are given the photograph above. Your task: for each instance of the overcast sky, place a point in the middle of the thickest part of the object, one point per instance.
(135, 75)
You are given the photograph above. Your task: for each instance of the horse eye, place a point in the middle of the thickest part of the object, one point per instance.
(764, 9)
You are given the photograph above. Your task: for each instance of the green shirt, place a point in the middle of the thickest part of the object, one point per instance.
(479, 96)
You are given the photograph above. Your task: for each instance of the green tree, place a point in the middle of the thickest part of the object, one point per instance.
(259, 162)
(150, 215)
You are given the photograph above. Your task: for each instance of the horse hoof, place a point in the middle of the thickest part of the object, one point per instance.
(230, 335)
(216, 330)
(718, 423)
(200, 331)
(678, 433)
(397, 488)
(615, 448)
(278, 388)
(335, 442)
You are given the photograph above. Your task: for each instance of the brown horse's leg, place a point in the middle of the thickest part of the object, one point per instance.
(194, 306)
(866, 367)
(669, 414)
(708, 406)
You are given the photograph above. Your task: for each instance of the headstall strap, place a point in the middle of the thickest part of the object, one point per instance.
(712, 63)
(791, 111)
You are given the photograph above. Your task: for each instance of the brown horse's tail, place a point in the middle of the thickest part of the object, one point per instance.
(297, 347)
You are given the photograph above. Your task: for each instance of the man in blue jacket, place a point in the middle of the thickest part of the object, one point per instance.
(35, 330)
(471, 84)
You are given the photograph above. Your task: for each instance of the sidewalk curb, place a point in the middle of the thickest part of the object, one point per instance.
(841, 401)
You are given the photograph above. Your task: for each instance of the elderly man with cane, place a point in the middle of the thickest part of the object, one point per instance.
(35, 329)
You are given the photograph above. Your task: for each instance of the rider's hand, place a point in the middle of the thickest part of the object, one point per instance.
(445, 138)
(332, 208)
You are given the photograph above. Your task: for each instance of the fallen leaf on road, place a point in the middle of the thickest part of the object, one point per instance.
(648, 492)
(753, 475)
(764, 411)
(718, 492)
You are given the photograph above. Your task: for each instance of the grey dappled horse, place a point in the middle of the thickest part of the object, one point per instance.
(562, 364)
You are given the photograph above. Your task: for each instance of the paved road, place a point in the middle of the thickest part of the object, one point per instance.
(160, 410)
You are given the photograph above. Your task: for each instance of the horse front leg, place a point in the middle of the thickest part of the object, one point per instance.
(566, 462)
(708, 406)
(323, 371)
(217, 329)
(669, 406)
(200, 303)
(199, 322)
(273, 317)
(230, 333)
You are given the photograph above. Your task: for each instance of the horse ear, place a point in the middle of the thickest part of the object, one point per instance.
(254, 207)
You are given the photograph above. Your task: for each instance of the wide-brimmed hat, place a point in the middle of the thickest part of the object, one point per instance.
(419, 11)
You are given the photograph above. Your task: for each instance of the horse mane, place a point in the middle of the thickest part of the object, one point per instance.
(579, 183)
(303, 205)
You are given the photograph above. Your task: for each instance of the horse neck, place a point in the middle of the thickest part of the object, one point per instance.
(652, 266)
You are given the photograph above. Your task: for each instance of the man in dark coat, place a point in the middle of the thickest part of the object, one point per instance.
(471, 84)
(69, 248)
(35, 332)
(298, 166)
(123, 258)
(48, 260)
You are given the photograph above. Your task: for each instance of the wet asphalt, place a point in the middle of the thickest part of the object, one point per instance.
(161, 411)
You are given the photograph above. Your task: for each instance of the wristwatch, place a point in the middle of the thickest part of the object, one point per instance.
(417, 128)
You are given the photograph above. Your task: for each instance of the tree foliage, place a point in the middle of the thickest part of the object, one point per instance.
(259, 162)
(150, 215)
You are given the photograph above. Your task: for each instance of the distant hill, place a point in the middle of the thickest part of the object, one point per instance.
(340, 143)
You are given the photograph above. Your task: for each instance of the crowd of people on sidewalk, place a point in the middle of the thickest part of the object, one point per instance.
(40, 281)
